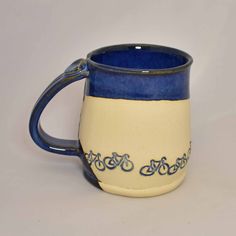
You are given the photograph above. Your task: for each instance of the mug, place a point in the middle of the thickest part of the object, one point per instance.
(134, 132)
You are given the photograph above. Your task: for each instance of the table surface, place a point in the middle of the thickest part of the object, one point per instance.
(45, 194)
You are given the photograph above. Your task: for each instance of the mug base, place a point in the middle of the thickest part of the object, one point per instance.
(150, 192)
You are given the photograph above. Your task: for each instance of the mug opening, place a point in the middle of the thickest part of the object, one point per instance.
(140, 58)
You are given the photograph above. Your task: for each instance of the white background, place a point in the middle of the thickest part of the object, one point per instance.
(46, 194)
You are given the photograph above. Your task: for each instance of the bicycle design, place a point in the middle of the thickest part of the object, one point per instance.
(119, 160)
(95, 158)
(180, 164)
(163, 168)
(110, 162)
(155, 166)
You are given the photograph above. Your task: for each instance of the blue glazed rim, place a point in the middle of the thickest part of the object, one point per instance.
(159, 48)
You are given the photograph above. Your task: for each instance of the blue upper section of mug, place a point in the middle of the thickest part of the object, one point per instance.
(138, 72)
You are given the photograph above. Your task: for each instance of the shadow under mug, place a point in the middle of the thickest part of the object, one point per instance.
(134, 133)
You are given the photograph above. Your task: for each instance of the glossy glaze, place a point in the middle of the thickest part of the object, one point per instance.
(155, 80)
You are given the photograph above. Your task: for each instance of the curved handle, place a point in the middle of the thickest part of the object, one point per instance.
(76, 71)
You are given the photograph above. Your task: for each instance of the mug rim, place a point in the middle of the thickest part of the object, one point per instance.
(161, 48)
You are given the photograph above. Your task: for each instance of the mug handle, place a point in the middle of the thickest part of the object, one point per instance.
(76, 71)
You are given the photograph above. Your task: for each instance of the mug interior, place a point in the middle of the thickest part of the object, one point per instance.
(140, 57)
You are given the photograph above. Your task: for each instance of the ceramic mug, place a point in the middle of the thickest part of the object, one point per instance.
(134, 132)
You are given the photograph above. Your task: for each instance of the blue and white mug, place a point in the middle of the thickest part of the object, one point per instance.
(134, 133)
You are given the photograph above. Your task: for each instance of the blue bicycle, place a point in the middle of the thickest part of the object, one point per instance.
(95, 158)
(119, 160)
(155, 166)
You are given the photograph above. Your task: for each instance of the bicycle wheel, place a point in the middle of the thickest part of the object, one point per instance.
(185, 157)
(173, 169)
(127, 165)
(163, 169)
(100, 165)
(183, 161)
(89, 158)
(110, 163)
(147, 171)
